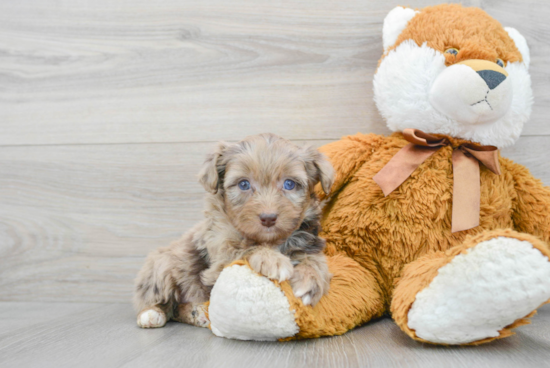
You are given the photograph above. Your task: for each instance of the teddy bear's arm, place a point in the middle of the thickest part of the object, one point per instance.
(346, 156)
(531, 208)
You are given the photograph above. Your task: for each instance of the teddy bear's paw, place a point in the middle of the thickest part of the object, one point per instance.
(151, 318)
(272, 264)
(481, 291)
(309, 284)
(247, 306)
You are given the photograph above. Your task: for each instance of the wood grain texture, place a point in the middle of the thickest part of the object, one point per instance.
(105, 335)
(187, 71)
(76, 221)
(15, 316)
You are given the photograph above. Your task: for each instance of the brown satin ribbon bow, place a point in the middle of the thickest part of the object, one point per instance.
(466, 185)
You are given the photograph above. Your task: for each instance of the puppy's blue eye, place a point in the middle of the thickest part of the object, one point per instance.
(289, 184)
(500, 63)
(244, 185)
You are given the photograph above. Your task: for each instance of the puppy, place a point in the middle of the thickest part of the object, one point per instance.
(261, 207)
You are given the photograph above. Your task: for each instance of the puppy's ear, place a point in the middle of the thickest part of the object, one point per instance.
(213, 169)
(318, 168)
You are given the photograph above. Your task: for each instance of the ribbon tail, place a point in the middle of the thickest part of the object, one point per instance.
(401, 166)
(487, 155)
(466, 192)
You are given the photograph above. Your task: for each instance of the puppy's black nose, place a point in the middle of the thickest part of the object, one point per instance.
(268, 219)
(492, 78)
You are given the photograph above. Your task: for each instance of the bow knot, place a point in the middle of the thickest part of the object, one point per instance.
(466, 158)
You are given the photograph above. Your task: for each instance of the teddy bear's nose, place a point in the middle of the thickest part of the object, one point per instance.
(491, 77)
(491, 73)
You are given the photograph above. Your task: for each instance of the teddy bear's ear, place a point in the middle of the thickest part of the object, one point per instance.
(521, 44)
(394, 23)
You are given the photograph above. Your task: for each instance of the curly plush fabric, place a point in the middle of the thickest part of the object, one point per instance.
(475, 36)
(387, 234)
(352, 301)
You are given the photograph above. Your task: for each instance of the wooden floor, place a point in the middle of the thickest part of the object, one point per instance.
(107, 109)
(105, 335)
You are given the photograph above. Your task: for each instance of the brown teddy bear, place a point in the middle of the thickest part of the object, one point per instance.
(429, 224)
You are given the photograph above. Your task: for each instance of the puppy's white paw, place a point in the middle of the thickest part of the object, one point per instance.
(274, 265)
(309, 284)
(151, 318)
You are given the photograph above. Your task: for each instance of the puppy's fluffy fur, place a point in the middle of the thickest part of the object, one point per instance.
(175, 280)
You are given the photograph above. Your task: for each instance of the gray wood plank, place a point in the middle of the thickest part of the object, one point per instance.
(77, 221)
(101, 337)
(106, 336)
(151, 71)
(15, 316)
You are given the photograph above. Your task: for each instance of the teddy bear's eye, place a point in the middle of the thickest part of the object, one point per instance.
(500, 63)
(452, 51)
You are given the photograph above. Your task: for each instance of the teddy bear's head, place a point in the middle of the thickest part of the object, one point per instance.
(454, 70)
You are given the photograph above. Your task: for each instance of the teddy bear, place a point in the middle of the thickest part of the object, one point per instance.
(429, 225)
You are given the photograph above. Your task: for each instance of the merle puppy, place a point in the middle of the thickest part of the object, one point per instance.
(260, 207)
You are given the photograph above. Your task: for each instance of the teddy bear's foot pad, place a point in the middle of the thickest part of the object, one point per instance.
(482, 291)
(247, 306)
(151, 318)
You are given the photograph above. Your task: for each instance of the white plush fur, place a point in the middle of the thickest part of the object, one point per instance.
(479, 293)
(246, 306)
(402, 87)
(394, 23)
(462, 95)
(521, 44)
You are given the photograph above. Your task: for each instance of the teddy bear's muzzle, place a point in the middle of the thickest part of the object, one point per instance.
(472, 92)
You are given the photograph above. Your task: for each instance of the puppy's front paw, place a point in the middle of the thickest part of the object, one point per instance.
(271, 264)
(309, 284)
(192, 313)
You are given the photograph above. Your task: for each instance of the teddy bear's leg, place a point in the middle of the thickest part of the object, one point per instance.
(247, 306)
(476, 292)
